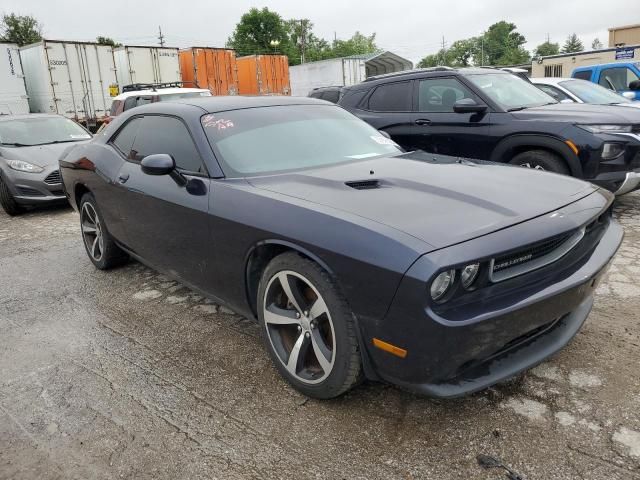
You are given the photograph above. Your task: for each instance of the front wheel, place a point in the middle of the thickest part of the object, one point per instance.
(7, 201)
(99, 244)
(541, 160)
(308, 327)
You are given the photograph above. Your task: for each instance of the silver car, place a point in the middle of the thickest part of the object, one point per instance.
(30, 146)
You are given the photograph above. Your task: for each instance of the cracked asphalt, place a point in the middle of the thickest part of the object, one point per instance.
(127, 374)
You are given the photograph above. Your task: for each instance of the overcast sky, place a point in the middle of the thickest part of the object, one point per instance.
(409, 28)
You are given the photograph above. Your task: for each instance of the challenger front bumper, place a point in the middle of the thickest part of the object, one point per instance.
(507, 328)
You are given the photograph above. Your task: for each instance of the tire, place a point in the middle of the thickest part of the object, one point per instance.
(98, 243)
(541, 160)
(7, 201)
(319, 324)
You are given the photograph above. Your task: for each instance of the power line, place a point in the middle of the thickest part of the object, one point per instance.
(160, 36)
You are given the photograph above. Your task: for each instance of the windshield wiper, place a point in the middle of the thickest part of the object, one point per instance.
(15, 144)
(516, 109)
(60, 141)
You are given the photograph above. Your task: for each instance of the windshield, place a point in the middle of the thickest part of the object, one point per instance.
(40, 131)
(178, 96)
(590, 92)
(510, 92)
(263, 140)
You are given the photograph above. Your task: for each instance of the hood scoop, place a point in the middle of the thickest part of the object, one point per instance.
(363, 184)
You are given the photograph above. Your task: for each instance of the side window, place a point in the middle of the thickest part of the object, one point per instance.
(556, 93)
(130, 102)
(114, 107)
(123, 140)
(316, 95)
(439, 94)
(583, 75)
(158, 134)
(331, 96)
(617, 78)
(393, 97)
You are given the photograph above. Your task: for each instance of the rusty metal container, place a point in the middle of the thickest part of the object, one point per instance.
(212, 68)
(263, 75)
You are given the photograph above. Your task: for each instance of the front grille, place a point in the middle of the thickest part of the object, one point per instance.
(29, 192)
(534, 256)
(53, 178)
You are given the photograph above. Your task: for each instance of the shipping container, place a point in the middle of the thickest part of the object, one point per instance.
(212, 68)
(147, 65)
(263, 75)
(342, 72)
(69, 78)
(13, 95)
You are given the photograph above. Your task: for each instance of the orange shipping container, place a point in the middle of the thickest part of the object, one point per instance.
(263, 75)
(212, 68)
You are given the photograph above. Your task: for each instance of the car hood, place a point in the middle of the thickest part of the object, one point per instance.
(580, 113)
(40, 155)
(441, 201)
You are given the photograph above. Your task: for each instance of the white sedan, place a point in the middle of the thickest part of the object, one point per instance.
(581, 91)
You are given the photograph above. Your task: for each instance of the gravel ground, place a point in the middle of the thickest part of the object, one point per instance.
(127, 374)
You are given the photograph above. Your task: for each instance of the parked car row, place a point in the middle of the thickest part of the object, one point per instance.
(357, 258)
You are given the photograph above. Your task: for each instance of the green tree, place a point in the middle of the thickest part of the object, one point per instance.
(108, 41)
(304, 45)
(461, 53)
(573, 44)
(20, 29)
(545, 49)
(596, 44)
(257, 30)
(435, 60)
(503, 45)
(358, 44)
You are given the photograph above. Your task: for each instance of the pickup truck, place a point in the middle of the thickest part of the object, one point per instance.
(621, 77)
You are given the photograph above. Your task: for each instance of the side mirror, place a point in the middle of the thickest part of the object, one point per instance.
(158, 164)
(468, 105)
(635, 85)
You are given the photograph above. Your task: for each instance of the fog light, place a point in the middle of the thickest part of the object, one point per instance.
(469, 275)
(612, 150)
(441, 284)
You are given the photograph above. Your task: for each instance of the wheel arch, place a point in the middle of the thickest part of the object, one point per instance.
(515, 144)
(79, 189)
(259, 256)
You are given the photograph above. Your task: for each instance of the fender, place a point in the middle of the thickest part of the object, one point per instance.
(502, 152)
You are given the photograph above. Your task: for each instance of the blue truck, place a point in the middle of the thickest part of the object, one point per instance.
(622, 77)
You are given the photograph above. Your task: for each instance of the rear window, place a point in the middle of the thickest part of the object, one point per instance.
(331, 96)
(582, 75)
(178, 96)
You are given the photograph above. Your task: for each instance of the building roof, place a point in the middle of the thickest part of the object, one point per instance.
(383, 61)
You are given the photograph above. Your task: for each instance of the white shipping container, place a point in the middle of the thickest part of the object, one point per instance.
(344, 71)
(147, 65)
(13, 95)
(69, 78)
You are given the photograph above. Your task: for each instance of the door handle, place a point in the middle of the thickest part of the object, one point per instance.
(123, 178)
(423, 121)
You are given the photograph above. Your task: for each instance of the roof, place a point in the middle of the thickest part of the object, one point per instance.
(160, 91)
(552, 80)
(383, 61)
(624, 27)
(237, 102)
(436, 70)
(5, 118)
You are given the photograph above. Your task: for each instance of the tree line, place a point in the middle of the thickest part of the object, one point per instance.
(261, 31)
(500, 44)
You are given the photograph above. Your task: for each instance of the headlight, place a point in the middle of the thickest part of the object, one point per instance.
(22, 166)
(612, 150)
(440, 286)
(606, 128)
(469, 275)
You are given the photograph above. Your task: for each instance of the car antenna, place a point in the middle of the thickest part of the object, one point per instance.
(487, 462)
(371, 172)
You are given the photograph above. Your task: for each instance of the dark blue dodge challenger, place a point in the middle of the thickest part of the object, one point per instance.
(357, 259)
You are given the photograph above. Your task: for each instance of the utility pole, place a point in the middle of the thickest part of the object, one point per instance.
(303, 39)
(548, 38)
(160, 36)
(442, 51)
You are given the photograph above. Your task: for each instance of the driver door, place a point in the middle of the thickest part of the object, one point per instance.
(167, 224)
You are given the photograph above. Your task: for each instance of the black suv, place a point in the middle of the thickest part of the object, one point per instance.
(493, 115)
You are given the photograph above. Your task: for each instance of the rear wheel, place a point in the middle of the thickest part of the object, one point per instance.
(541, 160)
(99, 244)
(7, 201)
(308, 327)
